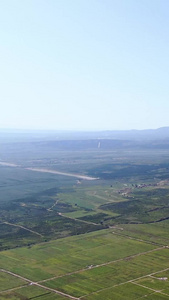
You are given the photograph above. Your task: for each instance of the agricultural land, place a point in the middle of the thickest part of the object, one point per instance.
(84, 218)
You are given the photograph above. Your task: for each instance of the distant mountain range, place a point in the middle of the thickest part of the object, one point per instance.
(132, 135)
(147, 134)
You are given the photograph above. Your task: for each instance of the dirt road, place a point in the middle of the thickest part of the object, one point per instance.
(37, 284)
(62, 173)
(42, 170)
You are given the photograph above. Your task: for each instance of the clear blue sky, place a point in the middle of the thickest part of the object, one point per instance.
(84, 64)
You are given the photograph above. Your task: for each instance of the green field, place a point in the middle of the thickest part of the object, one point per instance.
(67, 238)
(86, 265)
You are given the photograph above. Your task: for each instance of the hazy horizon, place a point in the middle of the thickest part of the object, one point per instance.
(84, 65)
(77, 130)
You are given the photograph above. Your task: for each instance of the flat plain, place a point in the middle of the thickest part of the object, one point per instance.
(65, 237)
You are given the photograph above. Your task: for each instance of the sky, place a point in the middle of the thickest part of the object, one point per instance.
(84, 64)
